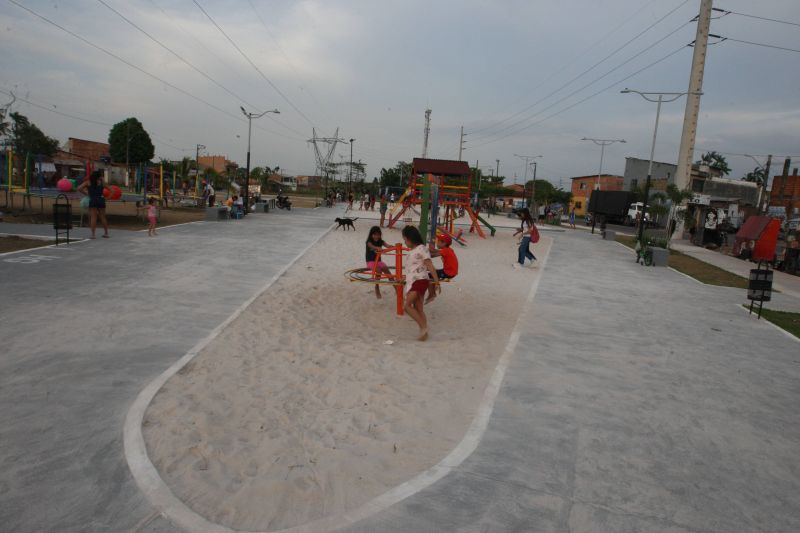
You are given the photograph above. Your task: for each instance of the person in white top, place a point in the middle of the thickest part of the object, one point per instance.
(417, 268)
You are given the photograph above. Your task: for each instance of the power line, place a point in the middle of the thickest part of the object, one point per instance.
(247, 58)
(52, 109)
(726, 12)
(723, 39)
(190, 65)
(595, 65)
(278, 44)
(615, 84)
(139, 69)
(568, 64)
(550, 106)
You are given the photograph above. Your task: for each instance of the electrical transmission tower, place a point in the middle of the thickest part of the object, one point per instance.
(323, 154)
(427, 133)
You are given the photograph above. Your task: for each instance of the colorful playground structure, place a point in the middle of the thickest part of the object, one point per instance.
(375, 276)
(442, 187)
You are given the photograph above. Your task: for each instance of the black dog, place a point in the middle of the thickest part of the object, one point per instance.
(345, 223)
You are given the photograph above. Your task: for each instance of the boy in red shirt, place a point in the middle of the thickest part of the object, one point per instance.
(449, 268)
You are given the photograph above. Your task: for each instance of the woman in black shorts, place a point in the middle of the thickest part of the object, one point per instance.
(93, 187)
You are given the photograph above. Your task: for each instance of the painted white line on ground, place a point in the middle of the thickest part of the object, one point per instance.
(691, 278)
(62, 246)
(173, 225)
(177, 512)
(764, 320)
(143, 470)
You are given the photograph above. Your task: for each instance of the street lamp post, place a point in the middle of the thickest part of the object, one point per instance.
(533, 192)
(658, 101)
(350, 178)
(527, 159)
(602, 143)
(197, 170)
(250, 117)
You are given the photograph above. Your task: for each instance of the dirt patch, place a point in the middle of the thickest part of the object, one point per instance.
(13, 244)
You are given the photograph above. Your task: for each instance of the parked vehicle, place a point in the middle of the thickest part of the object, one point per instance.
(283, 202)
(612, 205)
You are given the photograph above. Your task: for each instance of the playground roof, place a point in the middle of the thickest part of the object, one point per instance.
(440, 167)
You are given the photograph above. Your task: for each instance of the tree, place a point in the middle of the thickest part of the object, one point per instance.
(26, 137)
(130, 131)
(396, 176)
(5, 126)
(757, 176)
(717, 161)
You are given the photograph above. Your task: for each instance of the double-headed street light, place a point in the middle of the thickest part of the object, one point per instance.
(527, 159)
(602, 143)
(671, 97)
(250, 117)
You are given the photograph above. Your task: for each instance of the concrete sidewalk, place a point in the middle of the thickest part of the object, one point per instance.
(786, 283)
(636, 400)
(85, 328)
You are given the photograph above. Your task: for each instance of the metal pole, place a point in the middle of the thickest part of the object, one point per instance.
(649, 172)
(350, 178)
(461, 143)
(497, 172)
(533, 192)
(600, 171)
(245, 199)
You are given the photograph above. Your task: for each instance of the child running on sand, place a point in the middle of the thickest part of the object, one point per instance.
(449, 268)
(152, 216)
(418, 266)
(375, 244)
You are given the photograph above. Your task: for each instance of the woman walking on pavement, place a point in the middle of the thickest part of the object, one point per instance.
(529, 235)
(93, 187)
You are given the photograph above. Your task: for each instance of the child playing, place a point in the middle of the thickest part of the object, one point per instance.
(152, 215)
(375, 244)
(449, 268)
(418, 266)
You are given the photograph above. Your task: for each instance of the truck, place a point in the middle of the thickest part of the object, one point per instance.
(613, 206)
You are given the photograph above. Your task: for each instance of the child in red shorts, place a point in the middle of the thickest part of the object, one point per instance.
(418, 266)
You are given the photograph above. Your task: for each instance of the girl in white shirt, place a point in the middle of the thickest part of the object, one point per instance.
(417, 268)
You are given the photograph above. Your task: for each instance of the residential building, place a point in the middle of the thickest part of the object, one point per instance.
(636, 174)
(218, 163)
(582, 187)
(309, 182)
(786, 193)
(91, 150)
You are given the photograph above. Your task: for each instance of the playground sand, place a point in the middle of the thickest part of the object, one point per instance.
(300, 410)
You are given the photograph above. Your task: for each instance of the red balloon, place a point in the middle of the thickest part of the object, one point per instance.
(106, 192)
(116, 192)
(64, 185)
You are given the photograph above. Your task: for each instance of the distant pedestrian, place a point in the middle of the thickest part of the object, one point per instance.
(152, 217)
(572, 218)
(93, 187)
(383, 208)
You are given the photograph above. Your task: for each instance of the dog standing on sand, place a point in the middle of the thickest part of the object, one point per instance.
(346, 223)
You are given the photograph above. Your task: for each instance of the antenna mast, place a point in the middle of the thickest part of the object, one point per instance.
(427, 133)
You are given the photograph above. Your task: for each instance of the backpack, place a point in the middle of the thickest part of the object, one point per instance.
(534, 234)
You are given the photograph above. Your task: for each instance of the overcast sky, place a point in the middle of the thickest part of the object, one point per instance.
(503, 70)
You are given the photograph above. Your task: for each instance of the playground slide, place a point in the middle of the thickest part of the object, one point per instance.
(492, 229)
(398, 203)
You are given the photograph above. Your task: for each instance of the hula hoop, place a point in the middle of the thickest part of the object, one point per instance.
(364, 275)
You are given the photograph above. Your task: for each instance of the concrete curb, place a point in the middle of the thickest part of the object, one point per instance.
(177, 512)
(144, 472)
(746, 310)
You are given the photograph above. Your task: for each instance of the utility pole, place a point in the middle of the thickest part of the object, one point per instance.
(427, 133)
(527, 159)
(461, 144)
(197, 169)
(763, 208)
(497, 172)
(533, 193)
(690, 116)
(478, 175)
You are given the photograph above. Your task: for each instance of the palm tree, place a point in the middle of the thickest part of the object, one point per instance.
(717, 161)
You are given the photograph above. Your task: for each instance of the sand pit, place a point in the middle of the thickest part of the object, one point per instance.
(298, 410)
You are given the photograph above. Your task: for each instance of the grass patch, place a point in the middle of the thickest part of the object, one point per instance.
(699, 270)
(783, 319)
